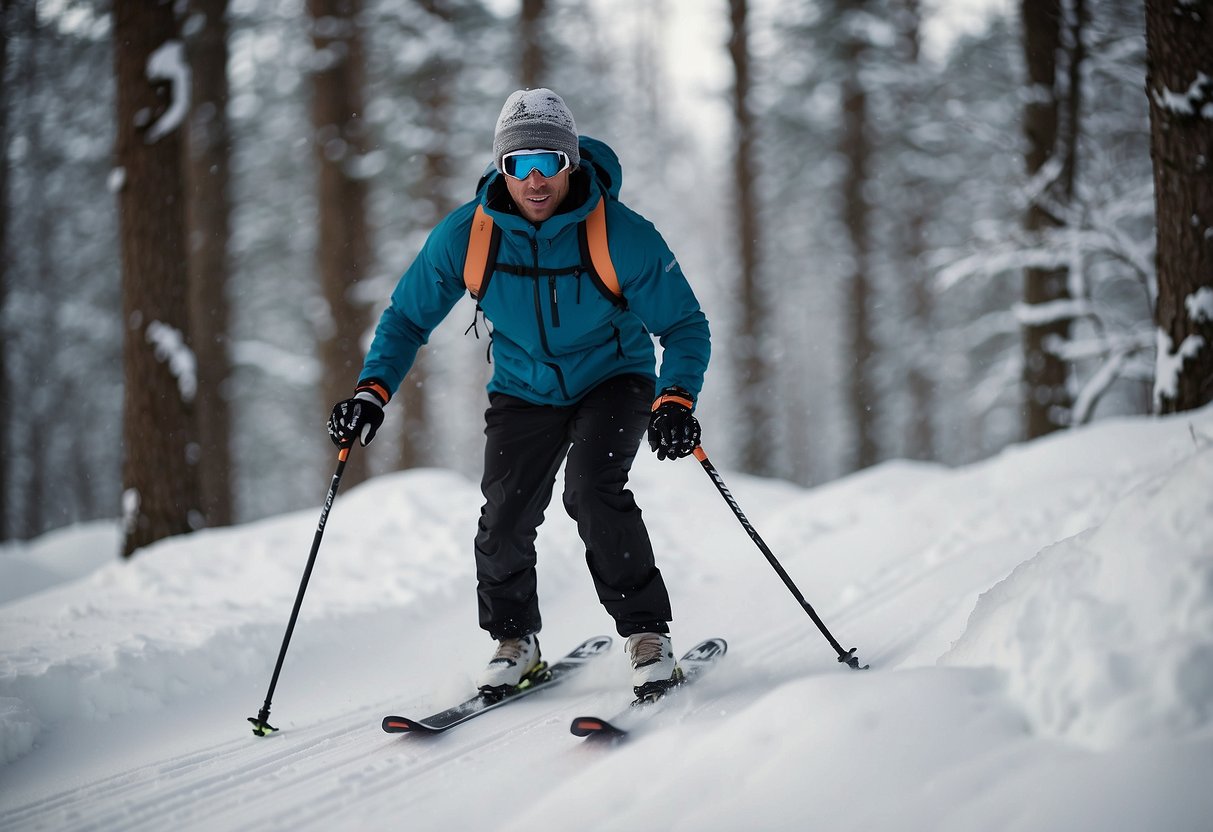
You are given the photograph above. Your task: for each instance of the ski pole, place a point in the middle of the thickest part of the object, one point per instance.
(261, 726)
(847, 657)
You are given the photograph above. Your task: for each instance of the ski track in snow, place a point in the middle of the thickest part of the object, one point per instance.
(316, 773)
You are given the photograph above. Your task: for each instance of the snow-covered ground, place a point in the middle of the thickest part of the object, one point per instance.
(1040, 629)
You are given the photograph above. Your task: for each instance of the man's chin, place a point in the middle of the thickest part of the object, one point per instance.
(538, 213)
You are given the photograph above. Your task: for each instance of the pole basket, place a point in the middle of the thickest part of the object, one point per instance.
(260, 727)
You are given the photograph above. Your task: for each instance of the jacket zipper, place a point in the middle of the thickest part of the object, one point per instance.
(543, 336)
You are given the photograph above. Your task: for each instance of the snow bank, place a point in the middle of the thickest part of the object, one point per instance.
(1107, 637)
(191, 613)
(56, 557)
(18, 728)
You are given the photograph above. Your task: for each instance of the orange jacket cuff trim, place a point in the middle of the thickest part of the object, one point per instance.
(689, 404)
(378, 389)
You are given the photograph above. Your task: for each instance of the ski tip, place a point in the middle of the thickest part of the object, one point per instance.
(397, 724)
(706, 650)
(595, 646)
(592, 726)
(584, 726)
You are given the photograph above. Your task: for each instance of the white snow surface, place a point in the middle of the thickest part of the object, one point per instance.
(1039, 625)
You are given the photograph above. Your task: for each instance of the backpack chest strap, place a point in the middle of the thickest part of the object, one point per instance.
(484, 239)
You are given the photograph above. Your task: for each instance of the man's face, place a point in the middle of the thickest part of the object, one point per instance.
(536, 196)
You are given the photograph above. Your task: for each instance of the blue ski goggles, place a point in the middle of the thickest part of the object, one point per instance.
(520, 163)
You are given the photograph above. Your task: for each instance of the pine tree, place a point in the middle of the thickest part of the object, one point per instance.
(1050, 163)
(160, 474)
(1179, 41)
(6, 24)
(532, 66)
(208, 214)
(855, 146)
(340, 142)
(750, 362)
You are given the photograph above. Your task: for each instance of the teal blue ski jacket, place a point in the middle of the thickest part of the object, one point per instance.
(555, 335)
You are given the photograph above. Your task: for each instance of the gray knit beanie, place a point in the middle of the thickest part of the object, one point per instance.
(534, 120)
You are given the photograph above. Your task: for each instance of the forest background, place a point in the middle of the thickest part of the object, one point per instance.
(917, 234)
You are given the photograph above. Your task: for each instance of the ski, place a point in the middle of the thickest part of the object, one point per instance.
(694, 663)
(480, 703)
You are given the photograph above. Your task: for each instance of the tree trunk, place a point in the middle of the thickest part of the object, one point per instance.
(1179, 48)
(40, 313)
(344, 250)
(208, 214)
(29, 461)
(750, 368)
(532, 66)
(920, 307)
(159, 469)
(856, 149)
(6, 30)
(1045, 375)
(434, 97)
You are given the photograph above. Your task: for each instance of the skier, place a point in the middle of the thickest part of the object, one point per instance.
(574, 380)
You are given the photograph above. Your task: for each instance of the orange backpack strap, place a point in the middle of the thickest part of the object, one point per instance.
(483, 240)
(596, 255)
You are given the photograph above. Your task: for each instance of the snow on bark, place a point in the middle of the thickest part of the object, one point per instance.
(130, 509)
(169, 344)
(1200, 305)
(1169, 364)
(168, 64)
(116, 180)
(1195, 101)
(1042, 314)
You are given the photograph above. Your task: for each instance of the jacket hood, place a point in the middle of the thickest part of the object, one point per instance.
(599, 156)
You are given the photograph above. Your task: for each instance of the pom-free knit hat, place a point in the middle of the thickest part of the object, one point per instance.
(535, 119)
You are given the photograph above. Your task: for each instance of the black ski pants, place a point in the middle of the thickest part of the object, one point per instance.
(525, 445)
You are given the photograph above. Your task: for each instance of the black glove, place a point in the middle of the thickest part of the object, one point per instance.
(673, 429)
(358, 417)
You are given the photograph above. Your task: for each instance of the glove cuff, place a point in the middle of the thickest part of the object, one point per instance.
(674, 395)
(374, 388)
